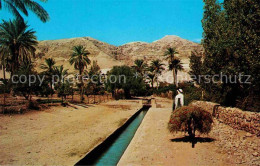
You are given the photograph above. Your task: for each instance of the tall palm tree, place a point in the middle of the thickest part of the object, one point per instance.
(170, 55)
(15, 6)
(140, 66)
(157, 68)
(176, 66)
(80, 59)
(49, 69)
(18, 41)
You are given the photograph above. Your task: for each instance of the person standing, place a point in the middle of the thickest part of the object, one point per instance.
(179, 99)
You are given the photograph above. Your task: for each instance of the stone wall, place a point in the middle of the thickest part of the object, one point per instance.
(234, 117)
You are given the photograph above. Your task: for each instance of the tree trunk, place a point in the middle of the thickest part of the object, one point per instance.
(157, 83)
(173, 75)
(3, 67)
(81, 86)
(176, 79)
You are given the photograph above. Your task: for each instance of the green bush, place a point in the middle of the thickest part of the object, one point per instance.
(164, 89)
(189, 119)
(123, 77)
(191, 93)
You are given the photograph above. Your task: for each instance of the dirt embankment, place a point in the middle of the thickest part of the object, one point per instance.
(59, 135)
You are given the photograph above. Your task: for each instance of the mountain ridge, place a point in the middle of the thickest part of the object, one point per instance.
(108, 55)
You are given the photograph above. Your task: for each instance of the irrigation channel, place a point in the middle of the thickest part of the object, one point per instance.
(110, 151)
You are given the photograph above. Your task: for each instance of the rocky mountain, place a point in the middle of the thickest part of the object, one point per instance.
(108, 55)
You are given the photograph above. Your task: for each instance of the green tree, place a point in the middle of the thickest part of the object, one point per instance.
(64, 89)
(140, 66)
(24, 84)
(170, 56)
(156, 67)
(4, 61)
(151, 77)
(176, 66)
(49, 71)
(231, 43)
(195, 67)
(61, 73)
(123, 77)
(190, 119)
(95, 84)
(18, 41)
(80, 59)
(17, 6)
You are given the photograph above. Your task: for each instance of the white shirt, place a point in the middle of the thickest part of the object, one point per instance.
(177, 97)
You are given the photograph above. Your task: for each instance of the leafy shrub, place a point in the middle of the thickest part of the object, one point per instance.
(190, 119)
(123, 77)
(191, 93)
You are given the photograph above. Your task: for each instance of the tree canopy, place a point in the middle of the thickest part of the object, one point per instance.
(231, 42)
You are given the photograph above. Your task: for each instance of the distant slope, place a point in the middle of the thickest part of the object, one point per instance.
(108, 55)
(60, 50)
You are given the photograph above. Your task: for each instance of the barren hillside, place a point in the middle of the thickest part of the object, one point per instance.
(109, 55)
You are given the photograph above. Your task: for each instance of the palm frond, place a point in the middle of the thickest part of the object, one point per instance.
(14, 6)
(13, 10)
(38, 10)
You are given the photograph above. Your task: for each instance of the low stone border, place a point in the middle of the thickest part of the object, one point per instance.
(234, 117)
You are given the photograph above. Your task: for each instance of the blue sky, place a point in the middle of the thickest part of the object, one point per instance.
(118, 21)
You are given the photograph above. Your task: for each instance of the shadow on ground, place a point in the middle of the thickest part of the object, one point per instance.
(193, 140)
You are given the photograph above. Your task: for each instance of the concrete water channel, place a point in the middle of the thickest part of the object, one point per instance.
(109, 152)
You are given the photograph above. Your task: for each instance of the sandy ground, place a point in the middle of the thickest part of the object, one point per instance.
(153, 144)
(59, 135)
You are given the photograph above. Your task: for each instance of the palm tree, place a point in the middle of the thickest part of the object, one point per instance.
(140, 66)
(49, 68)
(170, 55)
(4, 60)
(175, 66)
(80, 59)
(61, 73)
(18, 41)
(63, 86)
(151, 76)
(14, 6)
(157, 67)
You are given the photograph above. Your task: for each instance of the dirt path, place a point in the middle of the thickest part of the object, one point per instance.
(60, 135)
(154, 145)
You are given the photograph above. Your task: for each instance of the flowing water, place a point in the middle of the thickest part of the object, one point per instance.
(111, 155)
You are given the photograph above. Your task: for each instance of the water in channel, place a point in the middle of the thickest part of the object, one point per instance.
(111, 155)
